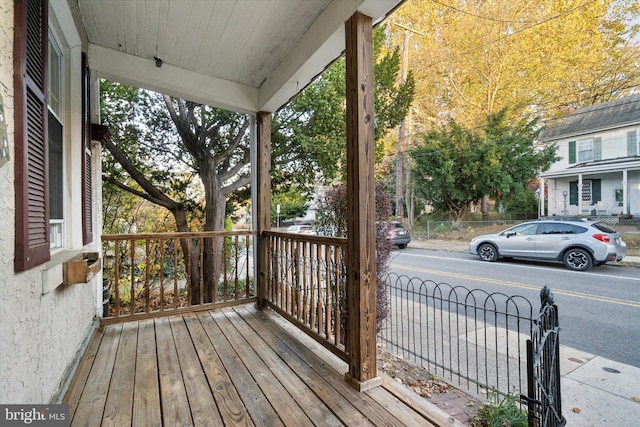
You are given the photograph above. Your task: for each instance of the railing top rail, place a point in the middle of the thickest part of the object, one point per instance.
(144, 236)
(326, 240)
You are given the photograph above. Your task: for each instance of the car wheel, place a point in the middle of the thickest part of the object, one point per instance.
(488, 252)
(578, 259)
(402, 245)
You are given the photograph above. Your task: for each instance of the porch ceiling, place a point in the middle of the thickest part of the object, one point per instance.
(242, 55)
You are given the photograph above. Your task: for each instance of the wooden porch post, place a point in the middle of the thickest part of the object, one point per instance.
(263, 208)
(361, 267)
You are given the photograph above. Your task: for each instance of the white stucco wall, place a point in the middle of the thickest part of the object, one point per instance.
(43, 328)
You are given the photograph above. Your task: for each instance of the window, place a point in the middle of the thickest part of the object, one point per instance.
(55, 103)
(633, 148)
(523, 230)
(585, 150)
(556, 228)
(591, 192)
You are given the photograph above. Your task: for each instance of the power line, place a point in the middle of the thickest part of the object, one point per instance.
(488, 18)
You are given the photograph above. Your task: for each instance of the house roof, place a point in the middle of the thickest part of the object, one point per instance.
(595, 118)
(242, 55)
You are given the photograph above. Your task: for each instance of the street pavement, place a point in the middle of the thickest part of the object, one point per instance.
(595, 391)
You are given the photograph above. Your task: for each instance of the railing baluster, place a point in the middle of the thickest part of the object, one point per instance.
(306, 247)
(148, 290)
(132, 305)
(235, 270)
(161, 272)
(116, 279)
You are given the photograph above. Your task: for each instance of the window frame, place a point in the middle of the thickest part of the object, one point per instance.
(57, 229)
(580, 150)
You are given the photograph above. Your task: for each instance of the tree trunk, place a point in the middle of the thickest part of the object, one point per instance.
(215, 203)
(485, 208)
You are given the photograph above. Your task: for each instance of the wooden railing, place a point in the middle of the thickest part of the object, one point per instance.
(306, 284)
(155, 274)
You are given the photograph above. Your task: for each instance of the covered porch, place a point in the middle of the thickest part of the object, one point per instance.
(345, 27)
(227, 366)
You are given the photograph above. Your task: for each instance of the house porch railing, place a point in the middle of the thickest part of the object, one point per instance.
(306, 284)
(157, 274)
(147, 275)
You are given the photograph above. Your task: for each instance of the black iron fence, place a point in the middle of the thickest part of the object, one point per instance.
(543, 397)
(474, 339)
(479, 341)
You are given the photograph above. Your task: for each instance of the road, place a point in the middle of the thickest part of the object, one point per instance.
(599, 309)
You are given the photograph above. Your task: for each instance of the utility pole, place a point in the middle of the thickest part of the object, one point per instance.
(401, 132)
(399, 211)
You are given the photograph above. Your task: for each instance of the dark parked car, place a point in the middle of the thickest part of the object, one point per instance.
(579, 244)
(398, 234)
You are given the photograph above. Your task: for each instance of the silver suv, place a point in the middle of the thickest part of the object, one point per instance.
(579, 244)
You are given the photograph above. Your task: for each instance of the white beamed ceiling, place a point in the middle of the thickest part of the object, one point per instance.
(242, 55)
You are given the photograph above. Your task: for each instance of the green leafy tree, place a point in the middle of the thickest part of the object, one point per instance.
(314, 121)
(455, 167)
(293, 204)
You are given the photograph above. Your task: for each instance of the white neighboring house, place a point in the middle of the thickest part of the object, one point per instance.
(598, 172)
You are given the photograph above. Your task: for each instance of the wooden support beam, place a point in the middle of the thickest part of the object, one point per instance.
(361, 267)
(263, 208)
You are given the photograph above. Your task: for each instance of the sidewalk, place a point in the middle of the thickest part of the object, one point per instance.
(595, 391)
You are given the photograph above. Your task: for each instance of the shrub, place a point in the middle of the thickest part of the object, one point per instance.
(332, 221)
(501, 413)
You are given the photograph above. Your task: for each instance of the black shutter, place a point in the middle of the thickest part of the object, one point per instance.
(31, 159)
(572, 152)
(573, 193)
(596, 191)
(87, 188)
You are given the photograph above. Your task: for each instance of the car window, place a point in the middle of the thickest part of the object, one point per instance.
(603, 227)
(523, 229)
(556, 228)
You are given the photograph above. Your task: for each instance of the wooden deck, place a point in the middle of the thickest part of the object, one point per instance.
(227, 367)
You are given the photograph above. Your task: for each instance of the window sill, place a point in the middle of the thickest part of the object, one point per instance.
(52, 273)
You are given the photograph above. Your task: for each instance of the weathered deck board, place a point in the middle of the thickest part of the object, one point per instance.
(306, 399)
(120, 398)
(201, 401)
(228, 401)
(94, 396)
(262, 413)
(173, 394)
(283, 403)
(232, 367)
(146, 394)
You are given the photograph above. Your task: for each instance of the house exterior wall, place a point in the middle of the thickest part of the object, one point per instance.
(43, 326)
(610, 182)
(614, 145)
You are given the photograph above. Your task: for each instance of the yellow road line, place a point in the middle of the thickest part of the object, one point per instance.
(522, 286)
